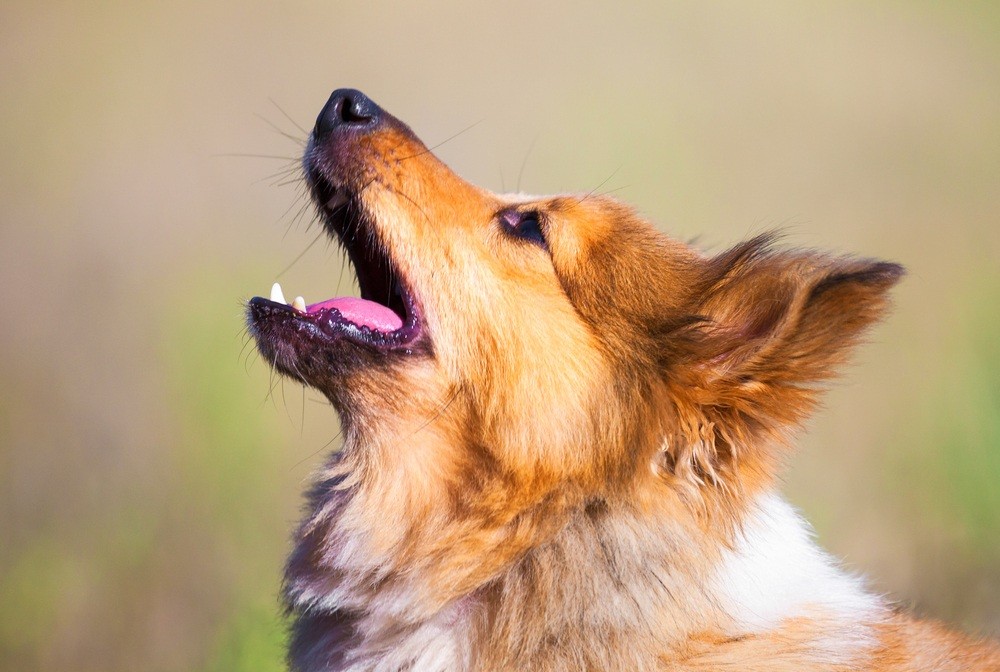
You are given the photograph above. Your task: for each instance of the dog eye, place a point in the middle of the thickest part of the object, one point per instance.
(524, 225)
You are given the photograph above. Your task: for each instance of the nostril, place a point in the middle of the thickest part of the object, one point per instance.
(351, 113)
(346, 109)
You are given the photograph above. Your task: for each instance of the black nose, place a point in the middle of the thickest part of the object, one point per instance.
(347, 109)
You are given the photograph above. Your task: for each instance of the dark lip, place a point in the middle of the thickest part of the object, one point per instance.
(329, 324)
(378, 276)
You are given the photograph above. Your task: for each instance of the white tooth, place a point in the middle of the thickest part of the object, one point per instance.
(299, 304)
(276, 294)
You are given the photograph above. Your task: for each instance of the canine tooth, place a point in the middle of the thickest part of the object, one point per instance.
(299, 304)
(276, 294)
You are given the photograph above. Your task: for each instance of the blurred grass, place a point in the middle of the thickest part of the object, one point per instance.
(252, 640)
(147, 481)
(196, 557)
(947, 467)
(229, 458)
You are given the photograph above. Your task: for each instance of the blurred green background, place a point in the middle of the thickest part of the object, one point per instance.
(149, 481)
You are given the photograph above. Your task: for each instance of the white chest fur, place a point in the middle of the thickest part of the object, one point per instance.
(775, 573)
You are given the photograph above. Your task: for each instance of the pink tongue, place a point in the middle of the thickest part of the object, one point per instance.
(359, 311)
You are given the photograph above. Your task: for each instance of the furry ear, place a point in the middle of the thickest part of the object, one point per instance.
(769, 328)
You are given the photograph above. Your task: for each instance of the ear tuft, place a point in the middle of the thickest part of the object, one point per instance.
(775, 326)
(864, 281)
(841, 304)
(878, 274)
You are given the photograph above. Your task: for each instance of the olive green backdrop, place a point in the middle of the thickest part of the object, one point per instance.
(149, 480)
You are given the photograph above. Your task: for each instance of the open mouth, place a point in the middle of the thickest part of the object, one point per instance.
(386, 316)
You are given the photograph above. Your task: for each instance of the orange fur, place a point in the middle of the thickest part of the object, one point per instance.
(564, 472)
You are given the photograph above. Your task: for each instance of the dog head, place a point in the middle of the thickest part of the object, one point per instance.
(556, 339)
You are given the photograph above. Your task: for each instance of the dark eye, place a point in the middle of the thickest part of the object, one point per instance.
(524, 225)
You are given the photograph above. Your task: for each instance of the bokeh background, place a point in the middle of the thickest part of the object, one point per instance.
(150, 467)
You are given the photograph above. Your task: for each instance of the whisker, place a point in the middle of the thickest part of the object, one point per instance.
(251, 357)
(302, 380)
(317, 452)
(276, 129)
(448, 139)
(300, 216)
(280, 175)
(603, 182)
(616, 189)
(273, 383)
(284, 402)
(303, 209)
(415, 204)
(524, 162)
(451, 398)
(284, 183)
(302, 205)
(247, 340)
(343, 266)
(257, 156)
(302, 426)
(288, 117)
(301, 254)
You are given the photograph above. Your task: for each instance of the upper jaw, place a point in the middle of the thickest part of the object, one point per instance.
(387, 318)
(380, 279)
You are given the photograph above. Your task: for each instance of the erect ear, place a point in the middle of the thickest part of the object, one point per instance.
(771, 327)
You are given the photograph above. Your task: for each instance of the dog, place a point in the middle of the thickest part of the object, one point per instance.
(562, 434)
